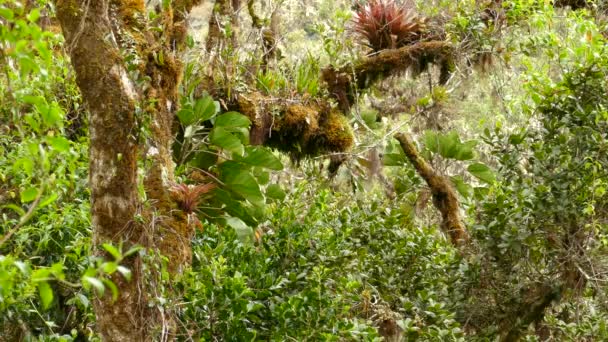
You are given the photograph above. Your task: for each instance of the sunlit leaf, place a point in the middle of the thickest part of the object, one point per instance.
(275, 191)
(223, 138)
(263, 157)
(29, 194)
(482, 172)
(46, 294)
(112, 250)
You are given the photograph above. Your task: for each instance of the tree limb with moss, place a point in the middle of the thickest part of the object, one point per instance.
(445, 198)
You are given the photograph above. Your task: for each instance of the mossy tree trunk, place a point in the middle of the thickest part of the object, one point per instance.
(128, 75)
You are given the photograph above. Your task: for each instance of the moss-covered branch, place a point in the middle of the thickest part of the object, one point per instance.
(444, 195)
(342, 83)
(297, 127)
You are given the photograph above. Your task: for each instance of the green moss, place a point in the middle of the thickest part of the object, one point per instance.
(337, 133)
(304, 129)
(301, 120)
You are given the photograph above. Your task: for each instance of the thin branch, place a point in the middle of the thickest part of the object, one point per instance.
(25, 218)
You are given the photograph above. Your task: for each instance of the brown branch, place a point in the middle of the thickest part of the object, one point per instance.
(223, 9)
(343, 82)
(444, 195)
(179, 29)
(256, 21)
(532, 310)
(298, 127)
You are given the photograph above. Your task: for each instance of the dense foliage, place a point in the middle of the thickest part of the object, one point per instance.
(284, 252)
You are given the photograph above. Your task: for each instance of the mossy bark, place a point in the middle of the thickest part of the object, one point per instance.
(98, 35)
(343, 83)
(300, 128)
(224, 12)
(444, 195)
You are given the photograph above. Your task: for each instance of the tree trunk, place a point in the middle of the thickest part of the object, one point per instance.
(124, 99)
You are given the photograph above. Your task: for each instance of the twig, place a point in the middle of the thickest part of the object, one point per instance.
(24, 218)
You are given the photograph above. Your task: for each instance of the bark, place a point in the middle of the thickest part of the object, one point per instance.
(342, 83)
(532, 310)
(444, 195)
(269, 34)
(222, 11)
(98, 35)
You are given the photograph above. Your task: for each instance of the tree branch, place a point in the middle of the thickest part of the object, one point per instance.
(444, 195)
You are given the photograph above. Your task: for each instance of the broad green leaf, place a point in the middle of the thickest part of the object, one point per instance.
(57, 270)
(482, 172)
(60, 144)
(23, 267)
(48, 200)
(125, 272)
(6, 13)
(132, 251)
(516, 139)
(109, 267)
(247, 186)
(243, 231)
(33, 15)
(254, 306)
(113, 288)
(204, 159)
(52, 115)
(481, 193)
(221, 137)
(46, 294)
(29, 194)
(262, 176)
(448, 145)
(231, 205)
(83, 300)
(186, 116)
(204, 108)
(431, 141)
(41, 274)
(463, 188)
(263, 157)
(465, 150)
(33, 121)
(275, 191)
(38, 101)
(232, 120)
(24, 164)
(238, 179)
(15, 208)
(88, 281)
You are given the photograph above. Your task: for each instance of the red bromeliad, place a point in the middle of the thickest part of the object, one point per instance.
(188, 197)
(385, 24)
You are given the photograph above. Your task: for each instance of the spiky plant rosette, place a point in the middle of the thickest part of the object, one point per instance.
(386, 24)
(188, 197)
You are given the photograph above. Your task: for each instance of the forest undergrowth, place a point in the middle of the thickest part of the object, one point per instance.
(307, 220)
